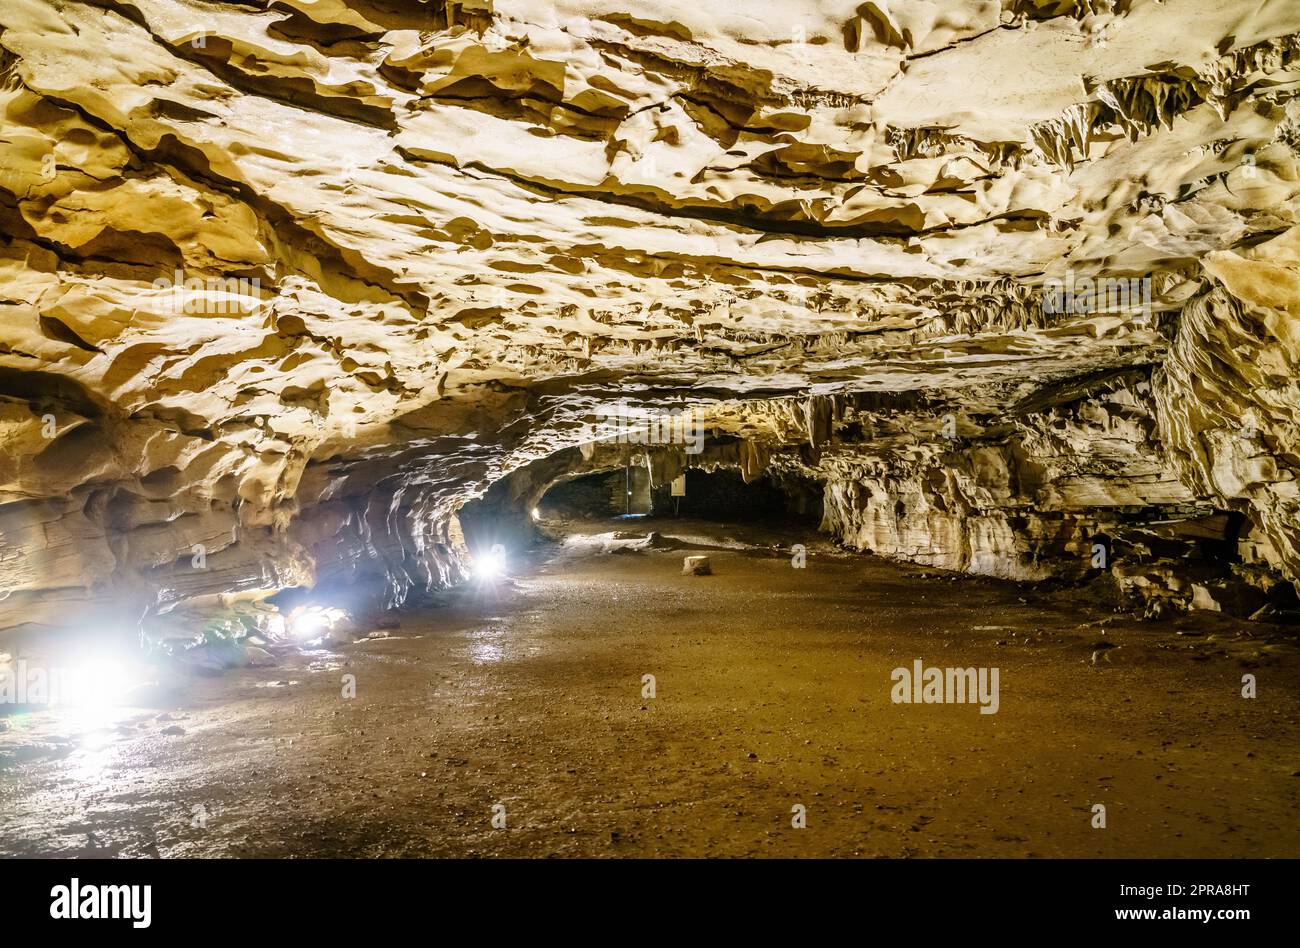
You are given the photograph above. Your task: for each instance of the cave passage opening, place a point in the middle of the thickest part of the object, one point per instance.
(719, 496)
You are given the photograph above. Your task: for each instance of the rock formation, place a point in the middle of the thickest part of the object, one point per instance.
(283, 289)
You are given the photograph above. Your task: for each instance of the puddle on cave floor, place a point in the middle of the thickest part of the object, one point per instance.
(772, 688)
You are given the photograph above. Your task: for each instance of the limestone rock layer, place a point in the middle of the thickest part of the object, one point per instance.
(284, 286)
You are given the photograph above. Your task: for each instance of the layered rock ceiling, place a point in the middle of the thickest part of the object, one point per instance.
(284, 285)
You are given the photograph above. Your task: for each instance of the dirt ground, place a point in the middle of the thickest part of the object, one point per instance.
(772, 690)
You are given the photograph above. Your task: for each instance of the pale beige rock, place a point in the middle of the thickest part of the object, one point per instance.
(696, 566)
(281, 292)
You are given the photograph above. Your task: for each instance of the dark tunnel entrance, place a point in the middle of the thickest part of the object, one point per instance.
(720, 495)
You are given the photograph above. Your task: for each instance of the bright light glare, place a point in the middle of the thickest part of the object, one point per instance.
(537, 514)
(311, 622)
(86, 694)
(490, 565)
(95, 685)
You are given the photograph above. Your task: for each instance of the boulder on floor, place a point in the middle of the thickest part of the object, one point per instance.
(696, 566)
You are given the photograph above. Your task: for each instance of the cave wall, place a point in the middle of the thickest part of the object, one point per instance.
(1019, 498)
(1076, 492)
(1226, 395)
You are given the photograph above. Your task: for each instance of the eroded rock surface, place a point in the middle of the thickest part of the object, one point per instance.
(282, 289)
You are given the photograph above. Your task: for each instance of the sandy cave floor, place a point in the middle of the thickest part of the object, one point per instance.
(772, 689)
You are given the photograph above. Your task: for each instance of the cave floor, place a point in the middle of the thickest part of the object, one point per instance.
(772, 689)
